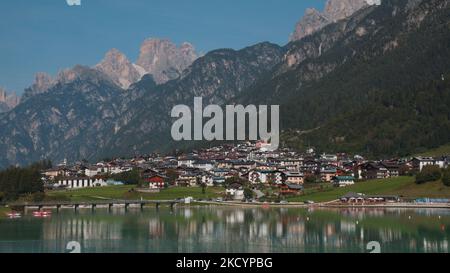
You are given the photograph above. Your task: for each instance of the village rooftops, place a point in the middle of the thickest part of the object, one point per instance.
(420, 158)
(202, 162)
(329, 170)
(294, 174)
(344, 178)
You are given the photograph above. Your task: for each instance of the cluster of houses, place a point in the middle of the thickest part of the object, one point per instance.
(285, 169)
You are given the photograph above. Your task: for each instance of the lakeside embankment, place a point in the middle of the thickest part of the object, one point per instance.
(335, 205)
(319, 195)
(332, 205)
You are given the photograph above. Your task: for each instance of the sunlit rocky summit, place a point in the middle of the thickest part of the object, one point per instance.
(335, 10)
(164, 59)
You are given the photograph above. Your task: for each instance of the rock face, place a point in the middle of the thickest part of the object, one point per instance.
(12, 100)
(164, 60)
(312, 21)
(335, 10)
(71, 119)
(42, 83)
(119, 69)
(7, 101)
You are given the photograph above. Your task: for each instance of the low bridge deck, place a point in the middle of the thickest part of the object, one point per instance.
(93, 204)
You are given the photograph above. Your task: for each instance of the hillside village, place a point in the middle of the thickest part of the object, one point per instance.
(236, 168)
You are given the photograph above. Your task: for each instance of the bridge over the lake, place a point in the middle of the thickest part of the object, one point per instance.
(93, 204)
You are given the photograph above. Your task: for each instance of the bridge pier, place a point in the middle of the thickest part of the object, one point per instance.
(93, 207)
(58, 207)
(76, 207)
(126, 206)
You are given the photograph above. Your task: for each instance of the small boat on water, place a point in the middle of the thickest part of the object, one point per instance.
(14, 214)
(42, 213)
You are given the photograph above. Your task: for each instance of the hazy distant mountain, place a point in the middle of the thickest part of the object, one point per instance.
(119, 69)
(158, 57)
(164, 60)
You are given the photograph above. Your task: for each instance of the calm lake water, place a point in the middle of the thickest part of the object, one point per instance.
(219, 229)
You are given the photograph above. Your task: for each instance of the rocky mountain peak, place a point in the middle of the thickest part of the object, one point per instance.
(335, 10)
(42, 83)
(7, 101)
(2, 95)
(312, 21)
(164, 60)
(117, 66)
(83, 74)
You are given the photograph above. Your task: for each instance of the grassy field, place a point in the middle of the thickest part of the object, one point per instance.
(440, 151)
(127, 192)
(402, 186)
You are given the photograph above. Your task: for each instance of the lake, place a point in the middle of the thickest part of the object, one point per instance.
(229, 229)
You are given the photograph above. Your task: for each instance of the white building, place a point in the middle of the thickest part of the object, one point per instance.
(81, 182)
(186, 162)
(203, 165)
(419, 163)
(236, 194)
(343, 181)
(91, 172)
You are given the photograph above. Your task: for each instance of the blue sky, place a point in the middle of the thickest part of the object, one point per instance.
(49, 35)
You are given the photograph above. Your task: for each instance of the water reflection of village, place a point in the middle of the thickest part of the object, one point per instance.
(254, 230)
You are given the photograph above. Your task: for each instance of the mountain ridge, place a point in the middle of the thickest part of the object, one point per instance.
(379, 70)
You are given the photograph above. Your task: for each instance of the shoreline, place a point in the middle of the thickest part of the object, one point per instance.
(331, 205)
(202, 204)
